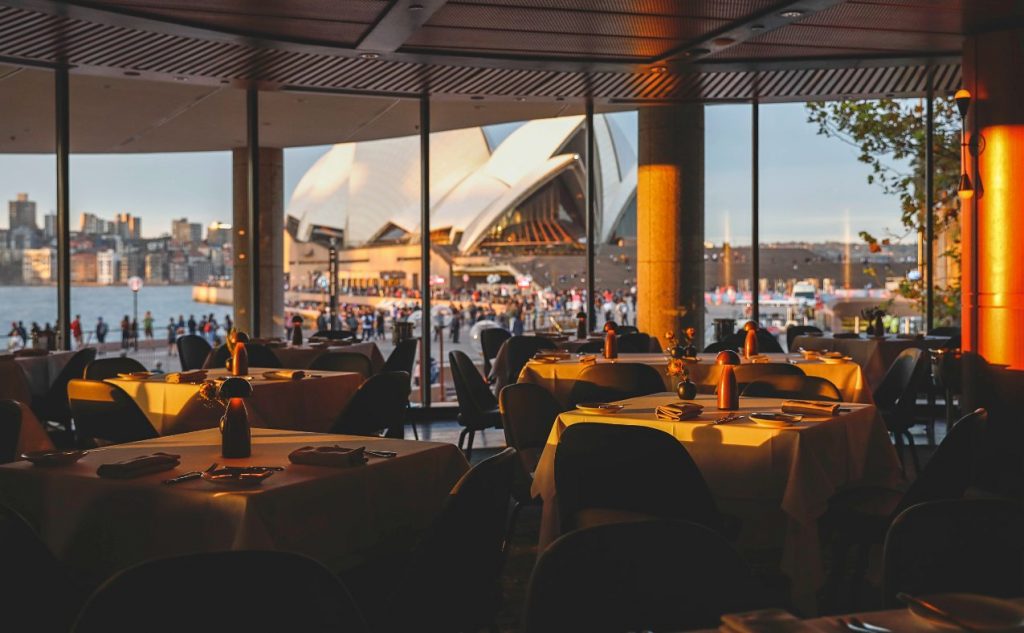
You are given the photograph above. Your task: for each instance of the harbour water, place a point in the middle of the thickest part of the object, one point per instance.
(39, 304)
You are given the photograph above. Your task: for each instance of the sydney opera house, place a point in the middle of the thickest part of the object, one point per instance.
(499, 205)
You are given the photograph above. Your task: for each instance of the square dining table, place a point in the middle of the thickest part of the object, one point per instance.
(776, 480)
(311, 404)
(339, 516)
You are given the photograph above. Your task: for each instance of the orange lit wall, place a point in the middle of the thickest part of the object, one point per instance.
(993, 220)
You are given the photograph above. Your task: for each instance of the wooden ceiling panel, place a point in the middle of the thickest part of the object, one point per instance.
(358, 11)
(532, 44)
(295, 29)
(716, 9)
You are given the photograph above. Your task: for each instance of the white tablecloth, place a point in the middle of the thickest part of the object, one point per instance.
(341, 517)
(767, 476)
(310, 404)
(42, 370)
(559, 378)
(872, 354)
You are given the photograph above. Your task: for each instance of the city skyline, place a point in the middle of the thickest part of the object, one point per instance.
(160, 188)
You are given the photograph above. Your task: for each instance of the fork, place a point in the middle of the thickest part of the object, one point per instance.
(728, 418)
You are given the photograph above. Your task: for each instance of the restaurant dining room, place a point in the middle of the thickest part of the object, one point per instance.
(385, 316)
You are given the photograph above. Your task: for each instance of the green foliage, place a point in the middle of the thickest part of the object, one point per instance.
(890, 138)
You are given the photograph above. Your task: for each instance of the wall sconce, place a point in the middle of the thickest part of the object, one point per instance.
(963, 104)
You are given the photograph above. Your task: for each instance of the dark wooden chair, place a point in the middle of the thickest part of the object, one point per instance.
(659, 575)
(896, 397)
(103, 411)
(491, 340)
(193, 350)
(104, 368)
(380, 404)
(794, 331)
(343, 361)
(798, 387)
(259, 591)
(53, 406)
(607, 382)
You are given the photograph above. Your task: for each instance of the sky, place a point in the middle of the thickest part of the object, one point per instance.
(809, 183)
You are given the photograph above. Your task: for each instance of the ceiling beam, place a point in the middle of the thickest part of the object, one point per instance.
(744, 29)
(397, 23)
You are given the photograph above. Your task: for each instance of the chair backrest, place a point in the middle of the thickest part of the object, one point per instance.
(57, 395)
(13, 382)
(379, 403)
(898, 387)
(623, 468)
(491, 340)
(615, 381)
(721, 346)
(343, 361)
(792, 386)
(626, 329)
(470, 387)
(752, 372)
(104, 411)
(10, 430)
(519, 350)
(227, 591)
(261, 356)
(403, 357)
(955, 546)
(218, 358)
(591, 347)
(104, 368)
(634, 343)
(461, 555)
(193, 350)
(954, 334)
(794, 331)
(43, 596)
(335, 335)
(638, 576)
(527, 413)
(954, 466)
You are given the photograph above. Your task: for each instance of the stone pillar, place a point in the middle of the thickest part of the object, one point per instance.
(670, 220)
(271, 247)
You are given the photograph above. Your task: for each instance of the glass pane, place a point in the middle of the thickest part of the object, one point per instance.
(840, 213)
(28, 256)
(727, 220)
(151, 201)
(507, 228)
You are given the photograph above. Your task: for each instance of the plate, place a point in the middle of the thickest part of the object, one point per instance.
(775, 420)
(237, 476)
(54, 458)
(835, 361)
(599, 407)
(136, 375)
(981, 613)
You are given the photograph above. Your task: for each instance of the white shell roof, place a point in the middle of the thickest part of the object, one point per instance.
(362, 187)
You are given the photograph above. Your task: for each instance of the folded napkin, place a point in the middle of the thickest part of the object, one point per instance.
(285, 374)
(186, 377)
(336, 456)
(677, 411)
(810, 407)
(138, 466)
(588, 358)
(764, 621)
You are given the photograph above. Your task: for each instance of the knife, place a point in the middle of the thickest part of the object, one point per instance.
(195, 474)
(938, 612)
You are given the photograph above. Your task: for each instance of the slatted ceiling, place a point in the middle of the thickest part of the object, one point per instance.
(32, 36)
(868, 39)
(890, 16)
(721, 9)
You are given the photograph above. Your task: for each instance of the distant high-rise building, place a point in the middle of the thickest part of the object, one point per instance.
(156, 267)
(128, 226)
(22, 212)
(38, 265)
(50, 226)
(91, 224)
(218, 234)
(132, 264)
(83, 267)
(106, 267)
(185, 232)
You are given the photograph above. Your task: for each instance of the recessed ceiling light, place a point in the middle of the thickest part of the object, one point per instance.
(697, 52)
(369, 55)
(792, 13)
(723, 41)
(659, 69)
(756, 27)
(131, 73)
(520, 98)
(477, 98)
(181, 79)
(415, 7)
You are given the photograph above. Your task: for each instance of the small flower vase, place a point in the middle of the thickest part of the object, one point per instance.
(686, 389)
(235, 437)
(879, 326)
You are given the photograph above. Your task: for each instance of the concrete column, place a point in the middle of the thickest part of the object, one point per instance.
(670, 220)
(271, 247)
